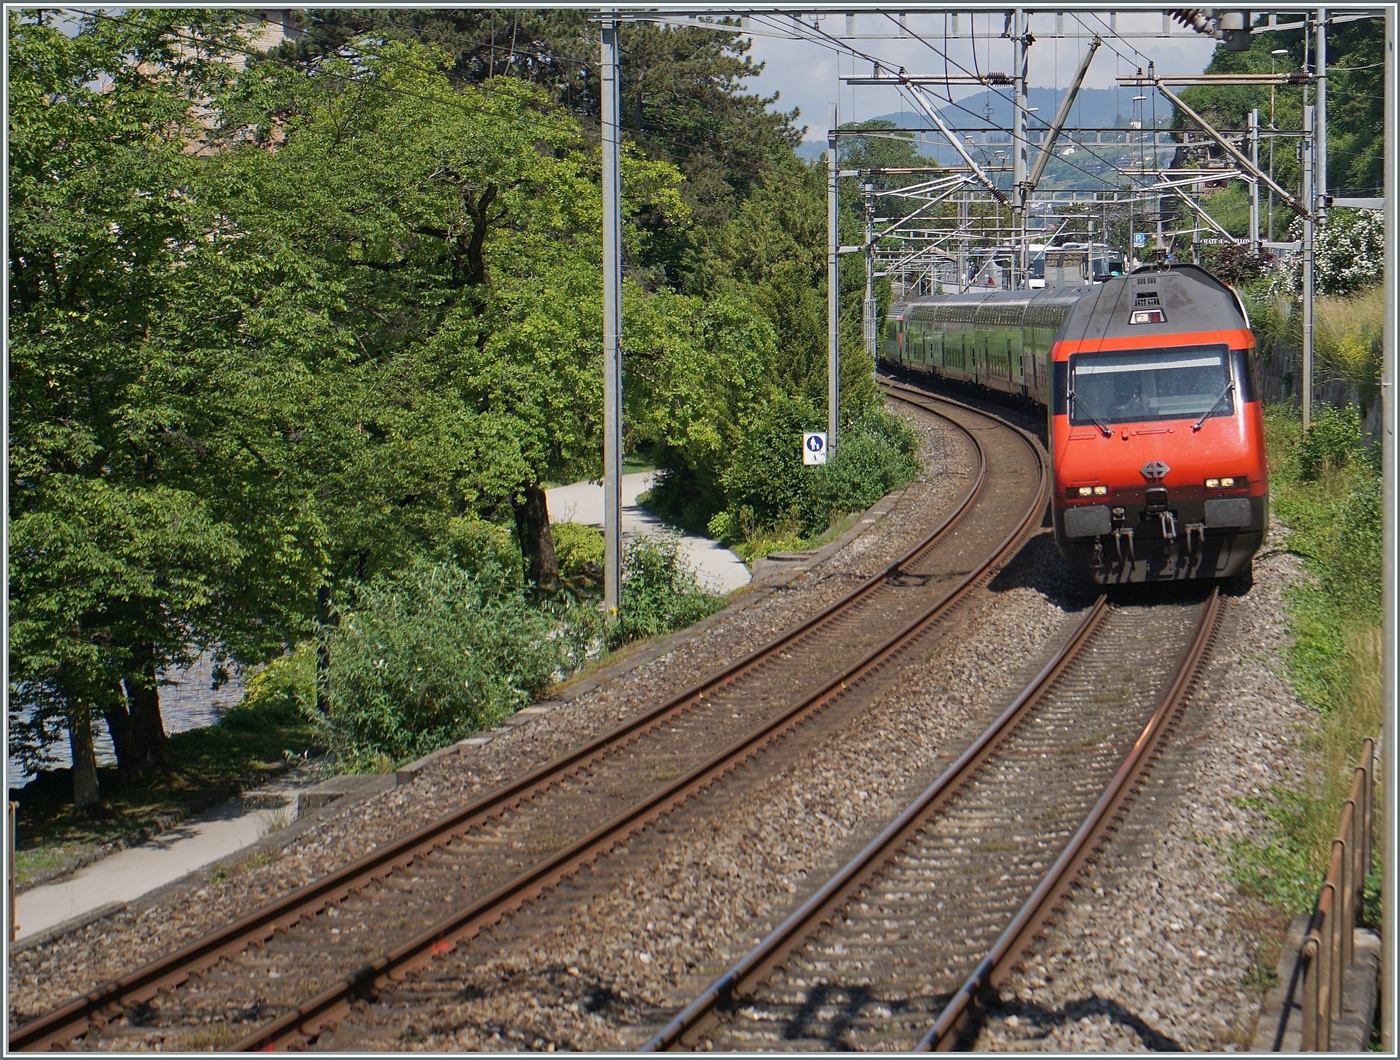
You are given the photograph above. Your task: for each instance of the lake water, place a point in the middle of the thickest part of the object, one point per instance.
(188, 703)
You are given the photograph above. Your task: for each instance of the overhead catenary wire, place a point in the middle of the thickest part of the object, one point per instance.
(1045, 125)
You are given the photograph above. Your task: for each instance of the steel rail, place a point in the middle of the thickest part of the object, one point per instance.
(309, 1019)
(993, 969)
(108, 1001)
(700, 1015)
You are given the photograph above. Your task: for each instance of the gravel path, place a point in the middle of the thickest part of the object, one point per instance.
(51, 973)
(1157, 949)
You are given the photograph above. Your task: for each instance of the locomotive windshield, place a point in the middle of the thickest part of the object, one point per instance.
(1132, 386)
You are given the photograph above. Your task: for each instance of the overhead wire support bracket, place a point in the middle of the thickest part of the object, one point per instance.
(1047, 148)
(1282, 77)
(1241, 160)
(916, 96)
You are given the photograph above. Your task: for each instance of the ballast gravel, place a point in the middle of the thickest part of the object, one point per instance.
(653, 924)
(49, 974)
(1157, 949)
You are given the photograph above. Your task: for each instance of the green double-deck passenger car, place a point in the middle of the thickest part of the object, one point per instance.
(997, 339)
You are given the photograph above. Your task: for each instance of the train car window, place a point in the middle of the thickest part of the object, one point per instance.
(1246, 364)
(1133, 386)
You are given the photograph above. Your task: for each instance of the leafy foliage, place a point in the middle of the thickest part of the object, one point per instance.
(683, 91)
(149, 516)
(288, 332)
(768, 486)
(1355, 100)
(580, 552)
(660, 591)
(428, 655)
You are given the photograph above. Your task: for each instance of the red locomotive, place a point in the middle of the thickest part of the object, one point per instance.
(1156, 428)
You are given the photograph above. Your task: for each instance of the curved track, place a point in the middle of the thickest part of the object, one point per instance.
(374, 920)
(896, 949)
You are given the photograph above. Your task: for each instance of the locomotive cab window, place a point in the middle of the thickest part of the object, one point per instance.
(1132, 386)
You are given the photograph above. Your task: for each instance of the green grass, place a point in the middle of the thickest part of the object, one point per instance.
(1325, 489)
(785, 539)
(247, 747)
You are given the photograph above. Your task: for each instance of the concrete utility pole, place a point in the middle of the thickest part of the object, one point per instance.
(1388, 584)
(963, 218)
(868, 308)
(1306, 194)
(1320, 176)
(1018, 148)
(612, 322)
(1254, 247)
(833, 292)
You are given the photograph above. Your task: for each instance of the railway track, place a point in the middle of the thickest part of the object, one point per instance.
(277, 976)
(898, 948)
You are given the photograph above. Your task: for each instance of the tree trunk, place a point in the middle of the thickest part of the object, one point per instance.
(536, 542)
(133, 719)
(323, 651)
(143, 695)
(123, 739)
(85, 791)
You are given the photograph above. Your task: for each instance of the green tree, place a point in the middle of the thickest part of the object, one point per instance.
(682, 92)
(143, 526)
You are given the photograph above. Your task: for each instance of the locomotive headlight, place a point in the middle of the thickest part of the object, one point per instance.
(1100, 491)
(1212, 483)
(1085, 491)
(1225, 482)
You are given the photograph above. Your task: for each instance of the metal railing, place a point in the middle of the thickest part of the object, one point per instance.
(1329, 944)
(10, 869)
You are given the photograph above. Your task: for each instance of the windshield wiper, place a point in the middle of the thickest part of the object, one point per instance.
(1228, 387)
(1074, 403)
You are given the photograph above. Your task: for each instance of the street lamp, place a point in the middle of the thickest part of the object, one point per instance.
(1274, 56)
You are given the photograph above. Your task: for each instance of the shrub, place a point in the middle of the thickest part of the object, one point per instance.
(429, 655)
(485, 548)
(875, 456)
(278, 693)
(579, 550)
(1332, 440)
(1348, 252)
(660, 591)
(724, 527)
(768, 485)
(767, 476)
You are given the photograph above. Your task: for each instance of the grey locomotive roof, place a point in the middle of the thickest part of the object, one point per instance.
(1192, 299)
(992, 306)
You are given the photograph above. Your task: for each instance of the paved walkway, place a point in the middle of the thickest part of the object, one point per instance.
(582, 502)
(130, 873)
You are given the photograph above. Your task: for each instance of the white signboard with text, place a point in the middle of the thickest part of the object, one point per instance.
(814, 447)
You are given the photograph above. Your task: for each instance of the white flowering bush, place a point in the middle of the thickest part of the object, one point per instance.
(1348, 253)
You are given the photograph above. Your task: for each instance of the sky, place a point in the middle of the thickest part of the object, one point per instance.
(805, 74)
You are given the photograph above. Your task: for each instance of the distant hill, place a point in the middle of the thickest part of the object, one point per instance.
(1094, 107)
